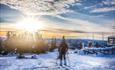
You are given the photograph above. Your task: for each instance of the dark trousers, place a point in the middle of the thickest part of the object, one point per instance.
(62, 57)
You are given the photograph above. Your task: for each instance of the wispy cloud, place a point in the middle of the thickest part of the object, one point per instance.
(39, 6)
(80, 25)
(102, 6)
(77, 20)
(59, 30)
(105, 9)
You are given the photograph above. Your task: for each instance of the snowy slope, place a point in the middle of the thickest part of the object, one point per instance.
(48, 62)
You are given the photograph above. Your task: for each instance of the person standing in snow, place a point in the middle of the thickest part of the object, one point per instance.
(63, 48)
(80, 45)
(90, 44)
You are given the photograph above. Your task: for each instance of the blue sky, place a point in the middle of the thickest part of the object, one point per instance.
(74, 15)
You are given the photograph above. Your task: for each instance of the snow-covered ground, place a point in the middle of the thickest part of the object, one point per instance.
(48, 62)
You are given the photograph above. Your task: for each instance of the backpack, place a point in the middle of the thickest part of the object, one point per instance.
(63, 48)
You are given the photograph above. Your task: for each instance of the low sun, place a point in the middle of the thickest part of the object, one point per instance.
(30, 24)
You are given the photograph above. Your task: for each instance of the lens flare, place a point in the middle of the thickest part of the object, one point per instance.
(30, 24)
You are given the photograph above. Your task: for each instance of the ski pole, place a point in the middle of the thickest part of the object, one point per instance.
(57, 58)
(68, 59)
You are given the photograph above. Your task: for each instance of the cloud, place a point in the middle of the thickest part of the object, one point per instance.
(105, 9)
(87, 26)
(9, 15)
(108, 2)
(39, 6)
(101, 6)
(59, 30)
(78, 25)
(55, 8)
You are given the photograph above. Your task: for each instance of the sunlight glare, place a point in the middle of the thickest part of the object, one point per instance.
(30, 24)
